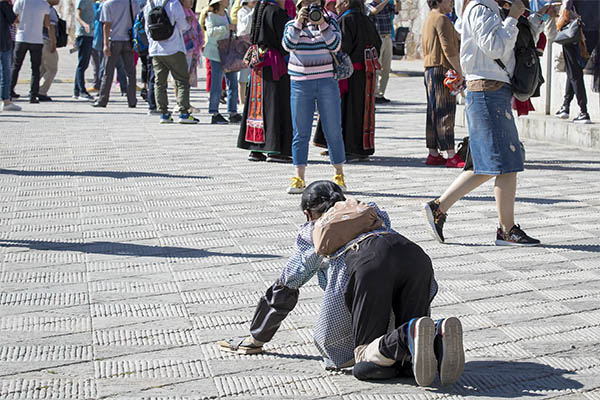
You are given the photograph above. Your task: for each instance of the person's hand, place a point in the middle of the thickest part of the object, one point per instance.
(53, 48)
(86, 27)
(302, 16)
(517, 9)
(231, 27)
(106, 50)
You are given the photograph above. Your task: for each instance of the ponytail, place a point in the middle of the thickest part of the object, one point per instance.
(257, 22)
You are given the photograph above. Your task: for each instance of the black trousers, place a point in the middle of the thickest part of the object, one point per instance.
(388, 273)
(575, 84)
(35, 57)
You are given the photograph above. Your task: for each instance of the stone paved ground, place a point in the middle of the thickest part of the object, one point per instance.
(129, 248)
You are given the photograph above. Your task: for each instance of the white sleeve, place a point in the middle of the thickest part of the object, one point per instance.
(493, 36)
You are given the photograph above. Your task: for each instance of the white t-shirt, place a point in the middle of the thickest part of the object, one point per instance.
(31, 20)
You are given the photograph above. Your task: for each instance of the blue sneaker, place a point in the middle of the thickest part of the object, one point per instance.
(166, 118)
(448, 344)
(187, 119)
(421, 332)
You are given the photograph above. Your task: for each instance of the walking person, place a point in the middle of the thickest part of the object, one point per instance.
(362, 43)
(193, 39)
(266, 128)
(310, 43)
(494, 140)
(576, 55)
(84, 27)
(219, 26)
(375, 274)
(32, 17)
(117, 17)
(49, 65)
(7, 44)
(440, 44)
(168, 56)
(382, 14)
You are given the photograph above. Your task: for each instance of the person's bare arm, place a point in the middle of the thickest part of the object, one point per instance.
(106, 34)
(51, 33)
(85, 26)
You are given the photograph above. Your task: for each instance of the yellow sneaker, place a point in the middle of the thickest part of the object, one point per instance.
(297, 185)
(339, 180)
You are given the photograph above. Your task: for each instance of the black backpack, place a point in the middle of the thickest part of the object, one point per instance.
(527, 76)
(159, 24)
(61, 32)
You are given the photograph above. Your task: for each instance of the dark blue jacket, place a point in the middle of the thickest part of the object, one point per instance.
(7, 18)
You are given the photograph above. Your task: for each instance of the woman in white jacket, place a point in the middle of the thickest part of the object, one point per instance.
(494, 140)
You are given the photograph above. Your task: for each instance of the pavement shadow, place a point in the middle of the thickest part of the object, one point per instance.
(99, 174)
(127, 249)
(511, 379)
(557, 167)
(293, 356)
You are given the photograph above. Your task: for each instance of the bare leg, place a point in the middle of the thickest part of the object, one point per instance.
(339, 169)
(242, 92)
(505, 189)
(300, 172)
(463, 184)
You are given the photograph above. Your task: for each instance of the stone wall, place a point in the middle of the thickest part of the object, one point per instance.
(412, 15)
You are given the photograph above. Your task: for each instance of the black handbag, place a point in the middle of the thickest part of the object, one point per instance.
(570, 33)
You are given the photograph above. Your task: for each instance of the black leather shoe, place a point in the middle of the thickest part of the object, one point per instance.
(14, 95)
(43, 97)
(98, 105)
(34, 100)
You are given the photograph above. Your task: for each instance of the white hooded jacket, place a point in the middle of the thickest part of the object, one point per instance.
(486, 37)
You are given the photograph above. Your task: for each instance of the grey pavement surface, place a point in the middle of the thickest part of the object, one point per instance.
(128, 248)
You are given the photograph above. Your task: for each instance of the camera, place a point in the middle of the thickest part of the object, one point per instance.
(315, 12)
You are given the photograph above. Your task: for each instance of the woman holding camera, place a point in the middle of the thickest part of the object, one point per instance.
(494, 140)
(310, 39)
(267, 106)
(358, 34)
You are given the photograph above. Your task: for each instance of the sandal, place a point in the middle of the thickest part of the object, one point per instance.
(237, 346)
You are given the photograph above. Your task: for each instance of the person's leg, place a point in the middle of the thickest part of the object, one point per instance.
(575, 77)
(302, 102)
(430, 134)
(505, 190)
(444, 113)
(465, 183)
(50, 63)
(108, 75)
(128, 62)
(5, 64)
(35, 57)
(151, 85)
(121, 75)
(232, 92)
(385, 58)
(144, 60)
(86, 50)
(20, 51)
(330, 111)
(161, 73)
(76, 84)
(215, 87)
(95, 56)
(179, 69)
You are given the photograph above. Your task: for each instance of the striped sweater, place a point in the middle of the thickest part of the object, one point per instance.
(309, 47)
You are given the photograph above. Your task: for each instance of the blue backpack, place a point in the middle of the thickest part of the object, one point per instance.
(140, 39)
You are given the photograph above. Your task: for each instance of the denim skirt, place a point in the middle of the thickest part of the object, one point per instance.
(493, 136)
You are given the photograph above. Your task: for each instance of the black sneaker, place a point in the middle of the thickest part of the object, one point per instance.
(144, 93)
(33, 100)
(43, 97)
(514, 237)
(583, 118)
(14, 95)
(436, 219)
(449, 351)
(218, 119)
(380, 100)
(369, 371)
(563, 113)
(235, 118)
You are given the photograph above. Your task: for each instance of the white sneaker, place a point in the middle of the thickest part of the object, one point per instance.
(85, 98)
(10, 107)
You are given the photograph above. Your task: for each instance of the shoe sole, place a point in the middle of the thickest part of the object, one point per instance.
(185, 122)
(506, 243)
(429, 216)
(423, 360)
(295, 190)
(219, 123)
(224, 346)
(585, 122)
(165, 122)
(452, 363)
(563, 116)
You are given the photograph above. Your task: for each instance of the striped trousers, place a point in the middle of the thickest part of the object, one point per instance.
(441, 110)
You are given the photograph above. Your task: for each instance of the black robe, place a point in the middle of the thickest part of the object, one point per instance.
(358, 32)
(277, 115)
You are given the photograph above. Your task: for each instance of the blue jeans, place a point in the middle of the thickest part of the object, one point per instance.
(84, 44)
(6, 65)
(151, 80)
(215, 88)
(327, 94)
